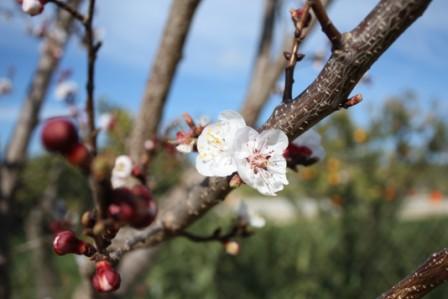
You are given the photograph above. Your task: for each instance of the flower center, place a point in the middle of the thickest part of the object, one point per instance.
(258, 161)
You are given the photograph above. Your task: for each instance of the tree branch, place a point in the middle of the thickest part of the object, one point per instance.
(328, 28)
(423, 280)
(162, 75)
(300, 24)
(73, 11)
(362, 47)
(266, 73)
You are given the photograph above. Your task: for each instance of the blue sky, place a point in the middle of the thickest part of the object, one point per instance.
(214, 73)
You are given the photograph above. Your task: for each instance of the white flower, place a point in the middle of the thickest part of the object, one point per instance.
(32, 7)
(65, 90)
(249, 216)
(123, 167)
(259, 159)
(5, 86)
(312, 140)
(121, 173)
(215, 145)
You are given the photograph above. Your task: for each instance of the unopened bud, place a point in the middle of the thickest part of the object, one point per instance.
(232, 247)
(106, 278)
(66, 242)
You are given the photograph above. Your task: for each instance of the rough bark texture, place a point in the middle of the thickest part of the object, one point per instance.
(267, 69)
(162, 74)
(426, 278)
(361, 47)
(15, 153)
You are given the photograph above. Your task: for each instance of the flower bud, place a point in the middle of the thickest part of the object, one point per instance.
(122, 207)
(79, 156)
(66, 242)
(232, 247)
(146, 213)
(32, 7)
(106, 278)
(59, 135)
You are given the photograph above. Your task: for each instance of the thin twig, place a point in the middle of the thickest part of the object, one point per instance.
(71, 10)
(236, 231)
(328, 28)
(294, 55)
(92, 50)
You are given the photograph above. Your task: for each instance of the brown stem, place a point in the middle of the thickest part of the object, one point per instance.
(235, 231)
(294, 54)
(92, 50)
(70, 9)
(427, 277)
(328, 28)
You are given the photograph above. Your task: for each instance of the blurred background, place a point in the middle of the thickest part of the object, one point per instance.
(350, 226)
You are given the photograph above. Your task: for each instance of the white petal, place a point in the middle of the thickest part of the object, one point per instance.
(233, 116)
(221, 166)
(186, 148)
(215, 145)
(273, 141)
(123, 167)
(117, 182)
(244, 142)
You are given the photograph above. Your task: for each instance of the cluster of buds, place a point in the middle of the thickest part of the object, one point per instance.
(186, 140)
(60, 135)
(304, 150)
(32, 7)
(105, 278)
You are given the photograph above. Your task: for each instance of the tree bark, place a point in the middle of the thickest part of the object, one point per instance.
(15, 153)
(162, 74)
(360, 49)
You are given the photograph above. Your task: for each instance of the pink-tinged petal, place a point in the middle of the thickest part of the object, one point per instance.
(273, 141)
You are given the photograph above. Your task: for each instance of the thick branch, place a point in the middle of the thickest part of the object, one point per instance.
(426, 278)
(162, 74)
(361, 48)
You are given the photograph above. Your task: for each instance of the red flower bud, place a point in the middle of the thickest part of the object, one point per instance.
(59, 225)
(66, 242)
(146, 213)
(105, 279)
(122, 206)
(134, 207)
(59, 135)
(293, 151)
(79, 156)
(142, 192)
